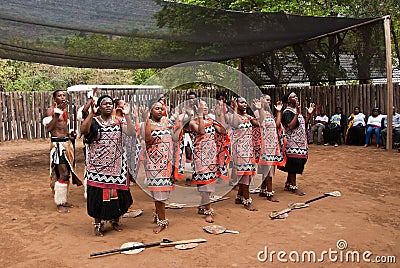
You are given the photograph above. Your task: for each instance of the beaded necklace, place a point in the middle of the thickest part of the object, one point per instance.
(243, 117)
(109, 122)
(156, 123)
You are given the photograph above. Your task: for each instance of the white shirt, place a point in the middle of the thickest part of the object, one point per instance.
(375, 121)
(359, 119)
(321, 118)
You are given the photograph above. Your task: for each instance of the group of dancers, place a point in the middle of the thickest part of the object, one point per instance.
(164, 139)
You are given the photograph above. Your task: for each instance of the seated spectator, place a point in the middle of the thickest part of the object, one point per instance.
(334, 128)
(321, 120)
(396, 129)
(374, 126)
(355, 133)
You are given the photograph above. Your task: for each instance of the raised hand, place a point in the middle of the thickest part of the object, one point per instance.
(200, 108)
(135, 111)
(94, 108)
(278, 106)
(62, 106)
(144, 113)
(126, 109)
(258, 104)
(310, 110)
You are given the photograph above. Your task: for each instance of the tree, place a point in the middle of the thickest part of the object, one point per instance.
(26, 76)
(327, 50)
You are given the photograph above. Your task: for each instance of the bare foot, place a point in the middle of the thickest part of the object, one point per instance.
(287, 187)
(200, 210)
(68, 205)
(272, 199)
(209, 219)
(158, 229)
(116, 226)
(98, 232)
(98, 229)
(250, 207)
(262, 194)
(298, 192)
(62, 209)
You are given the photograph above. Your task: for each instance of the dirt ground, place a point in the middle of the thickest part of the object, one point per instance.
(366, 216)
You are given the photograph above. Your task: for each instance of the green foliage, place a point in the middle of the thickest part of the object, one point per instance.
(340, 8)
(25, 76)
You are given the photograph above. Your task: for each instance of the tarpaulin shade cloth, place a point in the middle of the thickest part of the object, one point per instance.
(156, 34)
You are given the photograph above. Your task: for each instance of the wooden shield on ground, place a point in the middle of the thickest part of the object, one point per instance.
(214, 229)
(186, 246)
(298, 205)
(218, 229)
(133, 213)
(132, 251)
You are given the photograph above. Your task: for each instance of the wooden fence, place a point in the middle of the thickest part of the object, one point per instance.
(21, 113)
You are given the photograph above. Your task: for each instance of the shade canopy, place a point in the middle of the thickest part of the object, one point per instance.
(148, 33)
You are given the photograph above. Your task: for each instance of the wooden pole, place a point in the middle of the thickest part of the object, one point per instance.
(389, 94)
(2, 109)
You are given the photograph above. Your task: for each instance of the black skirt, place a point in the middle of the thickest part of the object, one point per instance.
(294, 165)
(356, 135)
(332, 134)
(107, 210)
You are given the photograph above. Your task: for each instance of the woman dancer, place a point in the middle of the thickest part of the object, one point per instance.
(296, 146)
(159, 132)
(243, 151)
(210, 154)
(108, 195)
(272, 144)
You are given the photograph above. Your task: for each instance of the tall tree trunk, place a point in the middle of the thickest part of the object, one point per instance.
(313, 75)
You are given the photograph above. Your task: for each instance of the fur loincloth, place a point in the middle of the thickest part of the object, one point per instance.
(65, 149)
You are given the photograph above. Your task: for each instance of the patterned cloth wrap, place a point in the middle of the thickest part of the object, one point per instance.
(273, 142)
(160, 158)
(106, 165)
(297, 145)
(210, 155)
(245, 147)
